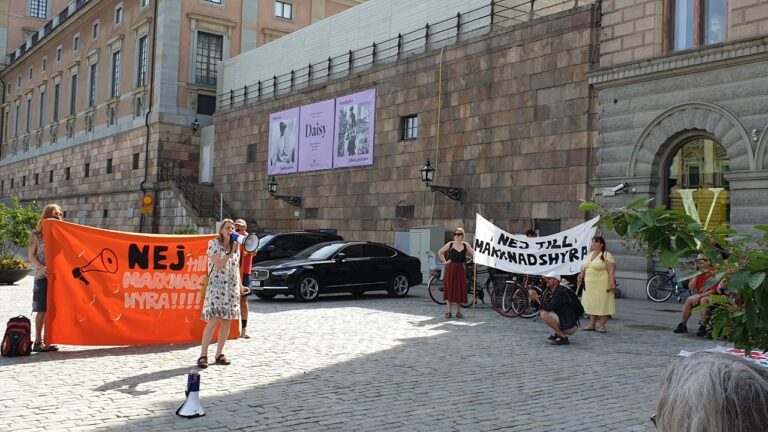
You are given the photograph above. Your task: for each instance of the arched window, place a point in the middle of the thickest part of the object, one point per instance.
(696, 184)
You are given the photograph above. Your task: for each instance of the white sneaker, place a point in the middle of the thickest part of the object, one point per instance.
(244, 335)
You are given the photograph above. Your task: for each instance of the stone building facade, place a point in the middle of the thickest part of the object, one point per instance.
(684, 112)
(100, 95)
(506, 115)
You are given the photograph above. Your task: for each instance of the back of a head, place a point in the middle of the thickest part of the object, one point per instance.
(713, 392)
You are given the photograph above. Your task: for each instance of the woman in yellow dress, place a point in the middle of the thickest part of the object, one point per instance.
(599, 284)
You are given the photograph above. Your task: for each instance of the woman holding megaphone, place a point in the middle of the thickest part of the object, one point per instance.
(222, 298)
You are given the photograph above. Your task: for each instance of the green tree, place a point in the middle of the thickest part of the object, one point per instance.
(671, 234)
(16, 223)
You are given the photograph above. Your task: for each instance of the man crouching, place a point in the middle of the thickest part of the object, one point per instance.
(557, 312)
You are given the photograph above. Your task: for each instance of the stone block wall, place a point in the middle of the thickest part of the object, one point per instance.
(516, 132)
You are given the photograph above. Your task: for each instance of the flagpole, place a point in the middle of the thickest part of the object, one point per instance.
(474, 289)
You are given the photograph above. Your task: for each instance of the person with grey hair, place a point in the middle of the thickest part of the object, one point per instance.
(712, 392)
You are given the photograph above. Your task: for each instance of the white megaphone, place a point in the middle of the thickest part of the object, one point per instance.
(249, 242)
(191, 407)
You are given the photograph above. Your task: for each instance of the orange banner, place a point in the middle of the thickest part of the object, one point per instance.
(118, 288)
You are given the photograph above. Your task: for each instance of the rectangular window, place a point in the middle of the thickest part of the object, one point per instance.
(58, 55)
(696, 23)
(405, 211)
(144, 3)
(93, 69)
(16, 122)
(684, 24)
(252, 150)
(283, 10)
(56, 97)
(206, 104)
(50, 176)
(76, 43)
(214, 1)
(38, 8)
(135, 161)
(95, 30)
(37, 179)
(67, 172)
(118, 15)
(114, 90)
(28, 115)
(45, 63)
(23, 181)
(6, 124)
(209, 52)
(73, 95)
(109, 166)
(41, 114)
(409, 127)
(311, 213)
(30, 75)
(714, 21)
(87, 170)
(105, 213)
(12, 180)
(141, 73)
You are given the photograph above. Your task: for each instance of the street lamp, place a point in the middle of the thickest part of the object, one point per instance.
(195, 125)
(292, 200)
(428, 176)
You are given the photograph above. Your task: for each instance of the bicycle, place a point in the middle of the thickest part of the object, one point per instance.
(662, 285)
(435, 286)
(512, 298)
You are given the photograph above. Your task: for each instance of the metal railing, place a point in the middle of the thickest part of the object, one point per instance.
(205, 204)
(482, 20)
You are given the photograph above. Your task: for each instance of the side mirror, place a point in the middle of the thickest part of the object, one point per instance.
(341, 256)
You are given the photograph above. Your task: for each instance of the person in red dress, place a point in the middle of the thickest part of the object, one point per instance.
(454, 255)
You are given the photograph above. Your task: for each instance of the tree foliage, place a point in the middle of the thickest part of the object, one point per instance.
(669, 234)
(16, 223)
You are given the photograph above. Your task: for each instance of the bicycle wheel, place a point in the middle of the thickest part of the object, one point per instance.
(509, 299)
(435, 290)
(659, 288)
(532, 308)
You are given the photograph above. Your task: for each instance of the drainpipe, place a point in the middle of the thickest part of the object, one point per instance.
(142, 186)
(3, 126)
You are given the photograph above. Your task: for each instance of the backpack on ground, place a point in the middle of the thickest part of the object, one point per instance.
(17, 340)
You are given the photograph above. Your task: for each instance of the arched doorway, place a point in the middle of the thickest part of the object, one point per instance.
(696, 184)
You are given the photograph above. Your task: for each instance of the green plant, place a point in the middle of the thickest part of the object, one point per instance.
(185, 231)
(671, 234)
(16, 223)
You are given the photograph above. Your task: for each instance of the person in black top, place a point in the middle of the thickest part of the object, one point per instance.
(454, 255)
(558, 312)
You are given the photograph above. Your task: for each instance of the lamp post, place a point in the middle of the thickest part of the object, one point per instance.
(428, 176)
(292, 200)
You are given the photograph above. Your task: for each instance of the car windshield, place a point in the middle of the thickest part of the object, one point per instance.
(320, 251)
(263, 241)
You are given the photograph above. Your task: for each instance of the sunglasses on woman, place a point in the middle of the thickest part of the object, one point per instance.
(458, 234)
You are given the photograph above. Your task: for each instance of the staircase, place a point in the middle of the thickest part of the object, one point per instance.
(204, 199)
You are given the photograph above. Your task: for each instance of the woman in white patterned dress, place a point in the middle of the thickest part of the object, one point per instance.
(222, 299)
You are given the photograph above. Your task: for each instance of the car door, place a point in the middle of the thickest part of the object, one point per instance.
(343, 274)
(379, 265)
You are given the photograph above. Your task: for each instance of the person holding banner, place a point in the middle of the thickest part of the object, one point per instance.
(222, 298)
(245, 271)
(599, 284)
(455, 280)
(36, 256)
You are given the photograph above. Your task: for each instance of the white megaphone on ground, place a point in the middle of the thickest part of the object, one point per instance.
(249, 242)
(191, 407)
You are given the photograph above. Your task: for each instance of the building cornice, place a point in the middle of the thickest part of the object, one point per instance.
(219, 21)
(681, 63)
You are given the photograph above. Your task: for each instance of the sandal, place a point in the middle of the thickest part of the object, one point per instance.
(552, 337)
(588, 329)
(40, 346)
(459, 315)
(221, 360)
(559, 340)
(602, 330)
(202, 362)
(448, 315)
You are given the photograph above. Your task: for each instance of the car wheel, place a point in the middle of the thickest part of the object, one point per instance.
(265, 296)
(399, 286)
(308, 288)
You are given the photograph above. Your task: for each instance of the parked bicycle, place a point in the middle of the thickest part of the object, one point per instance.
(435, 285)
(511, 298)
(663, 285)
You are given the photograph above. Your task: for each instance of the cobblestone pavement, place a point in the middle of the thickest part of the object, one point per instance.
(372, 363)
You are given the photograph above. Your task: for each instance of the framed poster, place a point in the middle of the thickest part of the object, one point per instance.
(316, 128)
(353, 138)
(283, 140)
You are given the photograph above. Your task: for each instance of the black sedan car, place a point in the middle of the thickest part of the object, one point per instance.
(339, 266)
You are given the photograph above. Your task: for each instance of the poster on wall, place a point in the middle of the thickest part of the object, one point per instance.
(283, 140)
(316, 136)
(353, 138)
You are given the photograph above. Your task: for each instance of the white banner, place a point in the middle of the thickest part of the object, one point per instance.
(561, 253)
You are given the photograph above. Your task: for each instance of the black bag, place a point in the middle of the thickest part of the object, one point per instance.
(18, 338)
(577, 306)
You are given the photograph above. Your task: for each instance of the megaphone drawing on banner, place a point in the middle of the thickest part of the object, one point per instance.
(105, 261)
(249, 242)
(191, 407)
